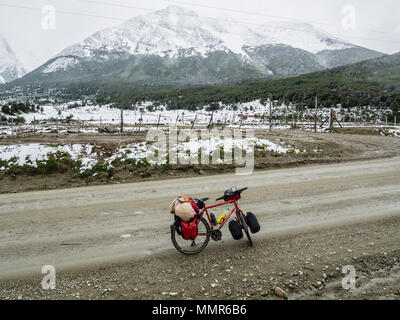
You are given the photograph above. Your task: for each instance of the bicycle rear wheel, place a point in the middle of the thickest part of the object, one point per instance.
(245, 227)
(190, 247)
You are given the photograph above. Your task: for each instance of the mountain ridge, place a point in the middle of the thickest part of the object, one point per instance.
(175, 37)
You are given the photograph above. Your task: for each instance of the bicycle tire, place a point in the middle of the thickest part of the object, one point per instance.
(175, 237)
(245, 228)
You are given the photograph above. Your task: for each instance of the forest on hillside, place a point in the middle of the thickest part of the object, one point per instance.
(331, 91)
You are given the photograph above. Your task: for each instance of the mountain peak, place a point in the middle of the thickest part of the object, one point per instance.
(4, 46)
(172, 29)
(10, 67)
(176, 10)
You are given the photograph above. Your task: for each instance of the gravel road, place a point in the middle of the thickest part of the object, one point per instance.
(90, 229)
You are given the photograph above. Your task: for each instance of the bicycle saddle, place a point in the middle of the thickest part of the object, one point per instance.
(200, 202)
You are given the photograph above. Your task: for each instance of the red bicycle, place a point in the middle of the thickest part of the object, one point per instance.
(211, 229)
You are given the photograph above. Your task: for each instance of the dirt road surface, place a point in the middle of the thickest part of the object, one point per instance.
(348, 212)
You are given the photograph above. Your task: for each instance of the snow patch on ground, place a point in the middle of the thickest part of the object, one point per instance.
(29, 154)
(141, 154)
(247, 144)
(148, 113)
(389, 132)
(395, 132)
(149, 154)
(134, 151)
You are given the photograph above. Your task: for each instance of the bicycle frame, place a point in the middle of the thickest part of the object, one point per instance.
(234, 209)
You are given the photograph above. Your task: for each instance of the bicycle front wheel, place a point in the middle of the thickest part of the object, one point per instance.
(245, 227)
(190, 247)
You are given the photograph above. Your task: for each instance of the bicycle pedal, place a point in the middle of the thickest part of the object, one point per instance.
(216, 235)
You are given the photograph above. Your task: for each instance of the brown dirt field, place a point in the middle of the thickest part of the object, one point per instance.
(363, 131)
(333, 147)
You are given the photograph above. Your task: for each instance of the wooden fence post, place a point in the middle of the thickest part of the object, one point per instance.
(122, 120)
(270, 112)
(331, 121)
(241, 120)
(211, 121)
(316, 114)
(194, 121)
(158, 121)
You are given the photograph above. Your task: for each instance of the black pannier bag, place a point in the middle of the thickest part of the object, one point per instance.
(178, 225)
(252, 222)
(236, 230)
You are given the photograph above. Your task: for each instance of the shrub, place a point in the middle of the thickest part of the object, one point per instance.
(98, 167)
(68, 119)
(130, 161)
(19, 120)
(57, 162)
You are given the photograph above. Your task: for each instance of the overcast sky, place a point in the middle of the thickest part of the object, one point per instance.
(377, 23)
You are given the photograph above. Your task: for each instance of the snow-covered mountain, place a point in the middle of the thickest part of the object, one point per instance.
(10, 67)
(177, 45)
(167, 31)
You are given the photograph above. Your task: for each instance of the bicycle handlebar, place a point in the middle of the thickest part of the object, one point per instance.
(239, 191)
